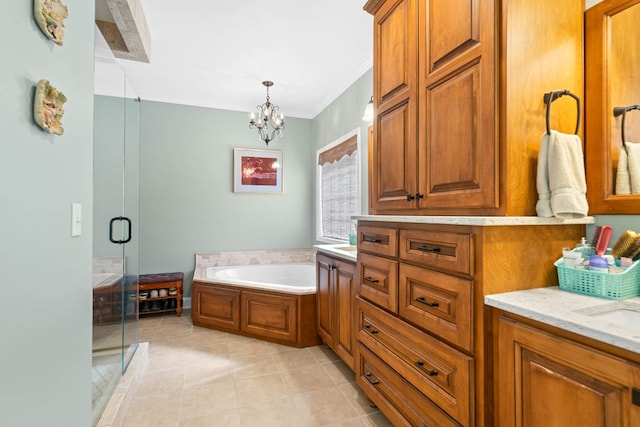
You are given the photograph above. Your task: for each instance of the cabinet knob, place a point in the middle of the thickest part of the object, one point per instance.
(410, 197)
(419, 196)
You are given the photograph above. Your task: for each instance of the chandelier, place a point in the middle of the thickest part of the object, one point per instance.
(267, 120)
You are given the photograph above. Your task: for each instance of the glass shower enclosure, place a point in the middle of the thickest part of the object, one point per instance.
(115, 230)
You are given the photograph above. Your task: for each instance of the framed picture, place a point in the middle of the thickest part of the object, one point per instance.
(257, 171)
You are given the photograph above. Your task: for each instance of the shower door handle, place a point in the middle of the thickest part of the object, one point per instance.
(115, 219)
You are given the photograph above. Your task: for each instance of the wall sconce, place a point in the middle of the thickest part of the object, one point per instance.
(368, 111)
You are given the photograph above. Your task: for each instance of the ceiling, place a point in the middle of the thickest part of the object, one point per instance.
(217, 53)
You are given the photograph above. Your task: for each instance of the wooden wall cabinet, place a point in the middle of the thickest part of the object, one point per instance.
(458, 94)
(335, 305)
(421, 327)
(545, 379)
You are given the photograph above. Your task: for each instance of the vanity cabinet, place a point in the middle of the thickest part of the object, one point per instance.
(458, 95)
(423, 335)
(547, 377)
(335, 305)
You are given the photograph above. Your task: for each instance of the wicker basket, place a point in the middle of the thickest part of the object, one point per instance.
(604, 285)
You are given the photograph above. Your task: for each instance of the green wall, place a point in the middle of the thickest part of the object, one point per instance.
(187, 203)
(343, 115)
(45, 274)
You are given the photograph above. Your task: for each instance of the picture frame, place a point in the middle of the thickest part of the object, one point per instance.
(257, 171)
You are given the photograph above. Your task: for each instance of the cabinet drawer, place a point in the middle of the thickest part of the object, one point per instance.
(444, 250)
(378, 240)
(438, 371)
(437, 302)
(378, 281)
(402, 404)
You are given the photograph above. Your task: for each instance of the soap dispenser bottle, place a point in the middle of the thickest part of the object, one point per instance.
(584, 248)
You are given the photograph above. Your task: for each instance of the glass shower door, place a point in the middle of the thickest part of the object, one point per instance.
(115, 233)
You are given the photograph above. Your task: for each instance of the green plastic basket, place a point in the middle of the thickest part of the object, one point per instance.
(604, 285)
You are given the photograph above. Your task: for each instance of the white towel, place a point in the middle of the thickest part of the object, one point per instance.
(543, 207)
(623, 181)
(561, 178)
(633, 160)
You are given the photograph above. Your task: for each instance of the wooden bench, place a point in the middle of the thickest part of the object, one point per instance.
(169, 288)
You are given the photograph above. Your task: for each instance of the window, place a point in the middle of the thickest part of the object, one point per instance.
(338, 188)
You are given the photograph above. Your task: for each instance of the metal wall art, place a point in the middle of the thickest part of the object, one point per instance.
(50, 16)
(48, 107)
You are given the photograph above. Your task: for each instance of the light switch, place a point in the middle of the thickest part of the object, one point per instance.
(76, 219)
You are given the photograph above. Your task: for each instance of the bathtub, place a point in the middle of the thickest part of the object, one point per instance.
(297, 279)
(273, 302)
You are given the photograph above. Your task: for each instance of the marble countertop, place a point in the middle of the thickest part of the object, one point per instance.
(344, 250)
(475, 220)
(585, 315)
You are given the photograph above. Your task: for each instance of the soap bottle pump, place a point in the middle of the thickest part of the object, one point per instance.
(584, 248)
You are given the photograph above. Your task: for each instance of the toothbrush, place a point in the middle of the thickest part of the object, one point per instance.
(603, 239)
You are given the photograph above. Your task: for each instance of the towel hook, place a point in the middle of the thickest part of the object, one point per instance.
(617, 111)
(552, 96)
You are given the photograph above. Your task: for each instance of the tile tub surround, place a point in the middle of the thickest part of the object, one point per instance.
(275, 256)
(568, 311)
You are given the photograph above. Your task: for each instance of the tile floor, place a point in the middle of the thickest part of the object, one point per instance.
(201, 377)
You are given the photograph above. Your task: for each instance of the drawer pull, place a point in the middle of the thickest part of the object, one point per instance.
(431, 249)
(431, 373)
(368, 328)
(369, 377)
(425, 302)
(371, 240)
(371, 280)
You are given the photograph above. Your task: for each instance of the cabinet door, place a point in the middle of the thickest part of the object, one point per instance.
(344, 333)
(269, 315)
(324, 308)
(394, 154)
(458, 160)
(545, 380)
(215, 306)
